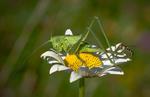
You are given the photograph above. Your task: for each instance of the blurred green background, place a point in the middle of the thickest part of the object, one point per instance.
(26, 24)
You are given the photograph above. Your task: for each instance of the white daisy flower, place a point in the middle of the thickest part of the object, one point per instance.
(87, 64)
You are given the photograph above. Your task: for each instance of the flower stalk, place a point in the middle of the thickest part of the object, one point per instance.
(81, 87)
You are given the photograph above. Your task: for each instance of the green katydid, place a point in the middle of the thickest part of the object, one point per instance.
(76, 43)
(72, 44)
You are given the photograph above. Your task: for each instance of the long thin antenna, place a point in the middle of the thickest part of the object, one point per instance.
(100, 44)
(105, 36)
(102, 29)
(76, 46)
(43, 44)
(51, 36)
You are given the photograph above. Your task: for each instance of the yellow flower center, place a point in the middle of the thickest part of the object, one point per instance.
(83, 59)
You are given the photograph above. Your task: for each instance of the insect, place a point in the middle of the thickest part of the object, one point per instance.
(77, 43)
(72, 43)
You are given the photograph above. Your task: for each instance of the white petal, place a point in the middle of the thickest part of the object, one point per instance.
(52, 54)
(121, 60)
(114, 70)
(55, 68)
(107, 63)
(52, 62)
(121, 56)
(118, 44)
(74, 76)
(116, 61)
(104, 55)
(68, 32)
(63, 57)
(119, 51)
(112, 48)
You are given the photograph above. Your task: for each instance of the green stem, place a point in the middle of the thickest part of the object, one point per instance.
(81, 87)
